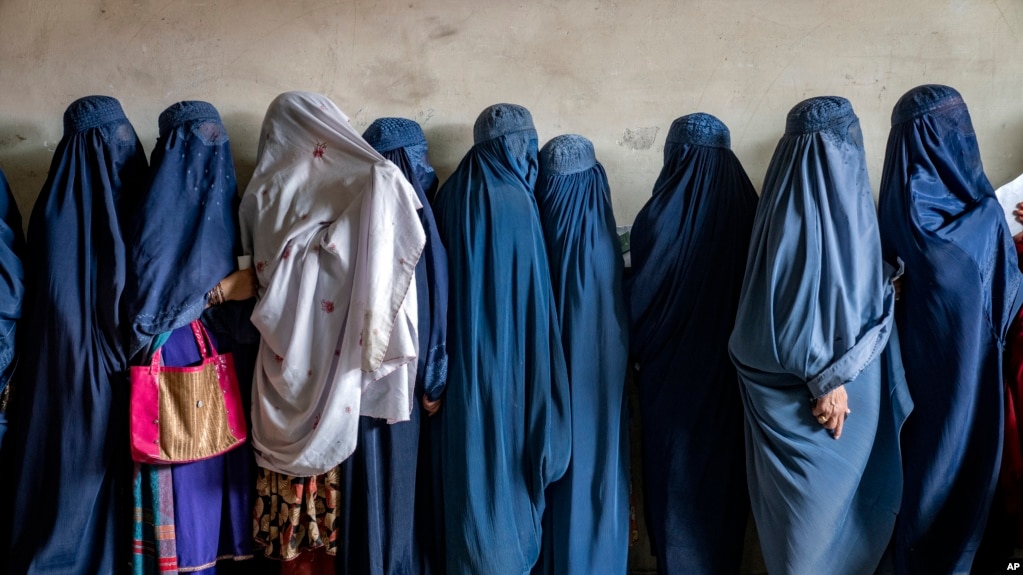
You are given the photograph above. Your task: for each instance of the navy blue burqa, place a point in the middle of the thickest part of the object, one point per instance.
(181, 242)
(506, 424)
(12, 289)
(689, 246)
(815, 313)
(938, 213)
(185, 236)
(586, 523)
(69, 422)
(389, 500)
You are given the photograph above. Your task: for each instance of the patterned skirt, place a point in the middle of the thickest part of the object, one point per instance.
(296, 514)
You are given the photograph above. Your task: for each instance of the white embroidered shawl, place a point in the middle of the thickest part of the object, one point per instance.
(333, 231)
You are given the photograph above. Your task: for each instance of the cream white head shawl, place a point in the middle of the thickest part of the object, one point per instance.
(334, 235)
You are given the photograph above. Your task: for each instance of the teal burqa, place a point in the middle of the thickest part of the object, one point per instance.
(815, 313)
(506, 423)
(586, 525)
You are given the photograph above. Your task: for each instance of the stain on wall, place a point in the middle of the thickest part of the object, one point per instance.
(638, 138)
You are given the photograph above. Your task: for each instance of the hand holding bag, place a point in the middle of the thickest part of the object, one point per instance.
(182, 414)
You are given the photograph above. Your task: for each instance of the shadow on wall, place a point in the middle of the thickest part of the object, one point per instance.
(26, 160)
(448, 144)
(243, 128)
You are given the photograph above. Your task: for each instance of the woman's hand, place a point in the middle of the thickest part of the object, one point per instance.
(1018, 213)
(832, 409)
(431, 407)
(240, 285)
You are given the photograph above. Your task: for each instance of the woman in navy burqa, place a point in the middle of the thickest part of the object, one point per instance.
(689, 247)
(506, 423)
(938, 213)
(181, 253)
(817, 355)
(12, 289)
(390, 501)
(70, 461)
(586, 523)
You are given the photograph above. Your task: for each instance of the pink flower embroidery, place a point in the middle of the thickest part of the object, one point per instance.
(348, 409)
(260, 266)
(327, 305)
(278, 358)
(320, 148)
(287, 253)
(332, 248)
(316, 421)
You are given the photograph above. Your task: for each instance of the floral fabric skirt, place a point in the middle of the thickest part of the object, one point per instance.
(296, 514)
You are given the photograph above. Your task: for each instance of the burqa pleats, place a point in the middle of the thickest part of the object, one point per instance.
(689, 247)
(815, 313)
(586, 522)
(70, 460)
(938, 214)
(506, 422)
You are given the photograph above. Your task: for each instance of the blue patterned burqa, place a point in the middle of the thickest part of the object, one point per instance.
(689, 247)
(70, 461)
(506, 424)
(389, 492)
(12, 289)
(816, 312)
(586, 524)
(938, 213)
(183, 240)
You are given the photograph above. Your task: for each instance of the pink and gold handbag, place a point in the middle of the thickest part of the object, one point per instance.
(182, 414)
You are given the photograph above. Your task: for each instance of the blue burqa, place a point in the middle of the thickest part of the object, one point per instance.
(388, 483)
(182, 241)
(939, 214)
(12, 289)
(70, 461)
(586, 524)
(506, 424)
(689, 247)
(815, 313)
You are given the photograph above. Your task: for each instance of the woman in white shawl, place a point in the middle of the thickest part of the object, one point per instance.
(333, 232)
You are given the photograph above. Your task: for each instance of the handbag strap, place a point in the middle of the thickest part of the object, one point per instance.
(202, 339)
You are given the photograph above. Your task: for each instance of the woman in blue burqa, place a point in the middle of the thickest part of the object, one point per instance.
(506, 424)
(181, 250)
(817, 355)
(586, 524)
(388, 491)
(938, 213)
(689, 247)
(12, 289)
(69, 413)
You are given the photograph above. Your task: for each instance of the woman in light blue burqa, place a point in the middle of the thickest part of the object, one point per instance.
(815, 347)
(586, 525)
(506, 424)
